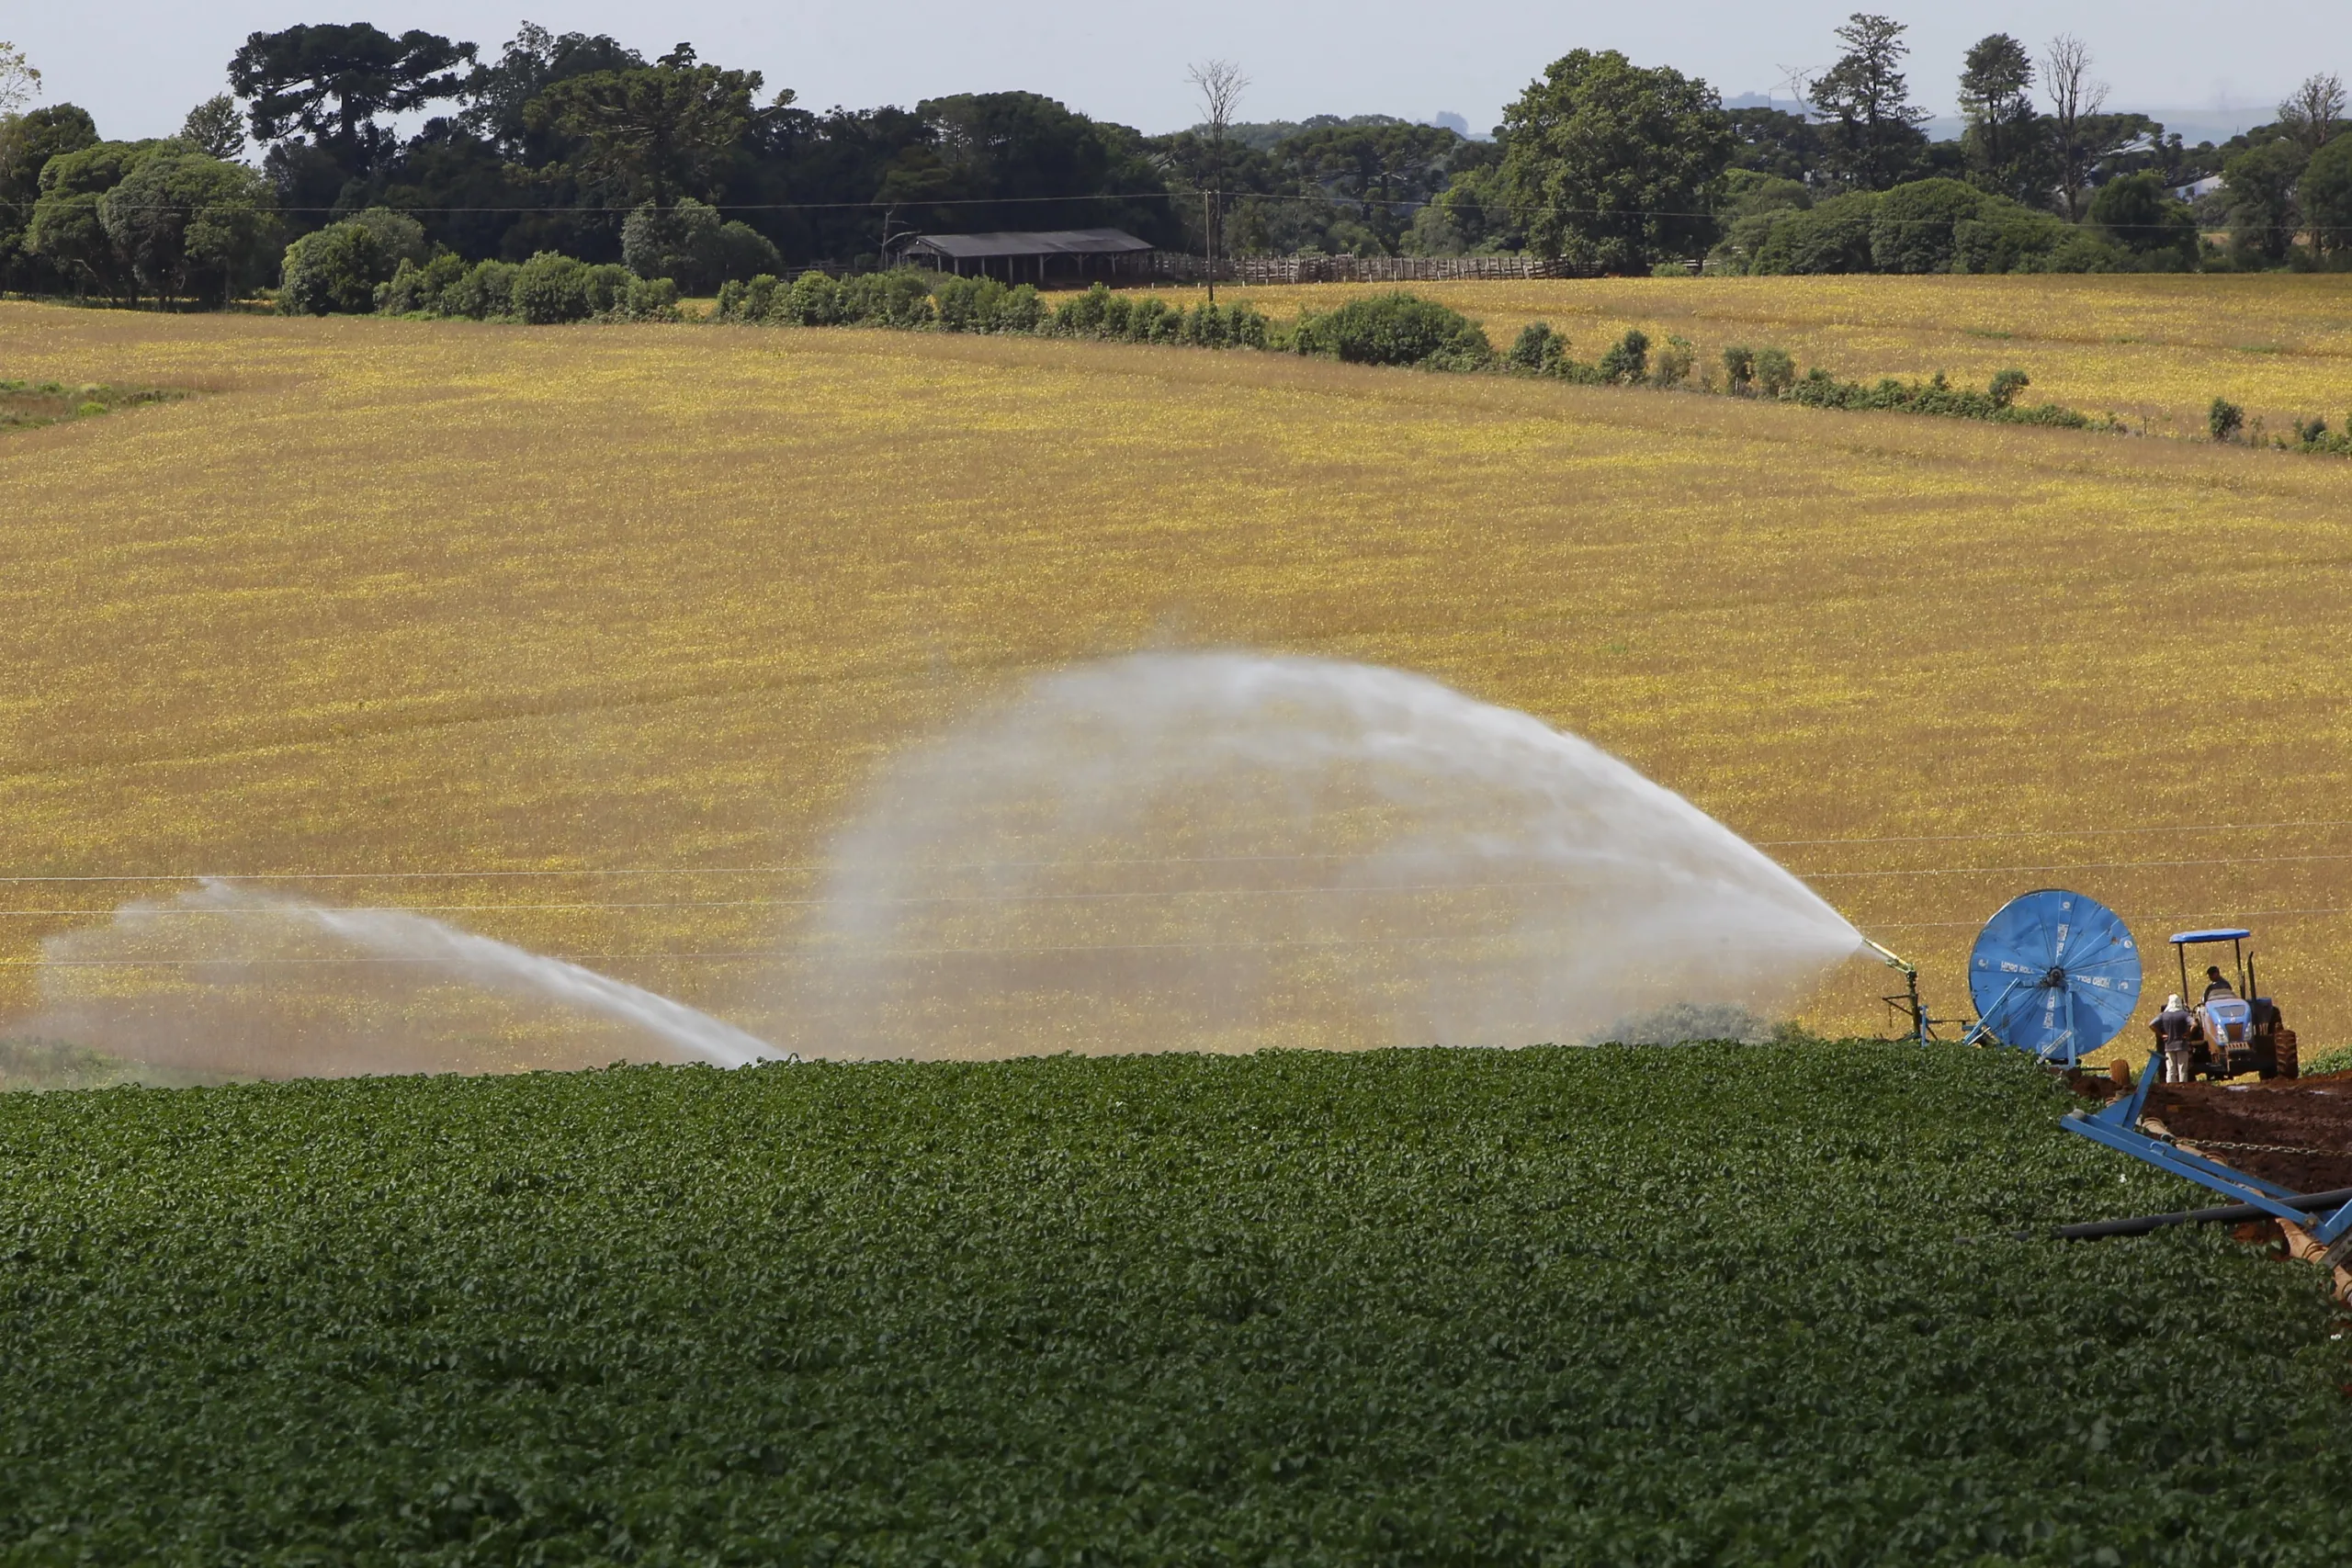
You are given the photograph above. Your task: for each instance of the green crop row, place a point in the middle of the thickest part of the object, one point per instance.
(1694, 1305)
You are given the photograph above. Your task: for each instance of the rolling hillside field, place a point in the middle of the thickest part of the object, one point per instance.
(2151, 352)
(387, 596)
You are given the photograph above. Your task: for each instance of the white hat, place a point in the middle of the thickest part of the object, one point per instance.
(2171, 1004)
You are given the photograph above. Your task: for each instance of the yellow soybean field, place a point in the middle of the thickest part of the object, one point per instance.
(639, 610)
(2153, 352)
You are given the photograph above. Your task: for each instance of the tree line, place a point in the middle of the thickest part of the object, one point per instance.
(675, 166)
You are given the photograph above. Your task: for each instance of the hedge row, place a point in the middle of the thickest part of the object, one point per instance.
(1398, 329)
(1770, 373)
(547, 290)
(913, 300)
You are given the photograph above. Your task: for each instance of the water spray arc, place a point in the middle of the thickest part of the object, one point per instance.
(1225, 851)
(243, 981)
(1217, 851)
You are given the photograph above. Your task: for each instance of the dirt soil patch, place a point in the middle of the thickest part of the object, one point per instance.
(2297, 1132)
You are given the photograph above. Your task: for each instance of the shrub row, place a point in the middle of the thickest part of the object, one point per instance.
(1770, 373)
(2225, 422)
(1948, 226)
(910, 299)
(1820, 389)
(547, 290)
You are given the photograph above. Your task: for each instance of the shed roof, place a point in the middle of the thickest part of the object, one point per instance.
(1033, 243)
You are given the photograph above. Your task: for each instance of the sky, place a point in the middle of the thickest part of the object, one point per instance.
(138, 65)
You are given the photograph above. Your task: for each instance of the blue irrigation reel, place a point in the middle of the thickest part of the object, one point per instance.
(2053, 974)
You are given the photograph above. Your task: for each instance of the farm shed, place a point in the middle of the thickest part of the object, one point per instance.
(1032, 256)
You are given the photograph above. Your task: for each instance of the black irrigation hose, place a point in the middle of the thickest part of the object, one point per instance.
(2093, 1230)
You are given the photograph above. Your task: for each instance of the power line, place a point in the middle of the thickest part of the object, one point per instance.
(1513, 210)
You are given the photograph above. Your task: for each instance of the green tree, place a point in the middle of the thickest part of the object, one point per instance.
(215, 129)
(1372, 173)
(1832, 236)
(2005, 139)
(688, 245)
(28, 141)
(1610, 164)
(2261, 182)
(336, 270)
(331, 83)
(2313, 112)
(68, 226)
(657, 132)
(2326, 195)
(2137, 212)
(20, 83)
(1875, 134)
(190, 226)
(1916, 226)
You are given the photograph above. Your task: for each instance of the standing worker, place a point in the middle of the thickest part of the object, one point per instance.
(2174, 1029)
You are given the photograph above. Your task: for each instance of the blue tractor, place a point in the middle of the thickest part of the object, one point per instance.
(2238, 1030)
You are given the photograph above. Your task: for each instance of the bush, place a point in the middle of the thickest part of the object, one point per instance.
(1152, 320)
(967, 304)
(2008, 237)
(1395, 329)
(2225, 420)
(2135, 213)
(423, 290)
(744, 252)
(1916, 226)
(1203, 328)
(1739, 368)
(814, 300)
(550, 288)
(755, 301)
(2083, 252)
(1082, 315)
(1775, 372)
(1833, 237)
(1674, 361)
(336, 270)
(687, 243)
(1628, 361)
(645, 300)
(1819, 388)
(898, 298)
(485, 293)
(1538, 350)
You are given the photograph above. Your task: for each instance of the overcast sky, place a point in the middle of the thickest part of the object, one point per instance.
(139, 64)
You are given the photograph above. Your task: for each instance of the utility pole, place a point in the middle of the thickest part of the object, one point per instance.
(1208, 238)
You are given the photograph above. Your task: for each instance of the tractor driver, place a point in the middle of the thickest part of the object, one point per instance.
(2215, 986)
(2175, 1032)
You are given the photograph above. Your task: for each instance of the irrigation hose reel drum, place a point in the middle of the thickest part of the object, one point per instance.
(2053, 974)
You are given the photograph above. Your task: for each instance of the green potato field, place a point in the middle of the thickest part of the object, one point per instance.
(1705, 1304)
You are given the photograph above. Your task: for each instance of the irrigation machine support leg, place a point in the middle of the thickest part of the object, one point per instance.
(1982, 1030)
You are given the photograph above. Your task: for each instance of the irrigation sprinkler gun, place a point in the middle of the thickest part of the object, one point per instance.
(1905, 1002)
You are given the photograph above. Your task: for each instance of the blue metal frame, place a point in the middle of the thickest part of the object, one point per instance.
(2117, 1125)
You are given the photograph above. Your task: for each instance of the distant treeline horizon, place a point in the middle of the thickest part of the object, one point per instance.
(554, 143)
